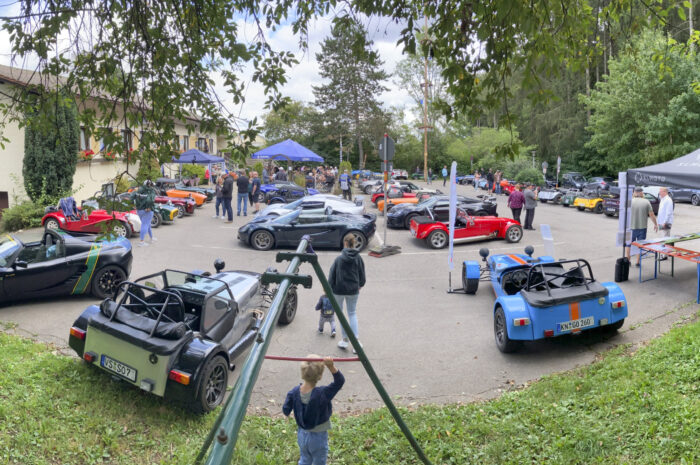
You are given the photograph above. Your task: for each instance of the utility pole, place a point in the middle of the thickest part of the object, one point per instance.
(341, 149)
(425, 85)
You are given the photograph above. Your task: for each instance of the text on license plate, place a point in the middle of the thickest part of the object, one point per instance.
(119, 368)
(610, 209)
(575, 324)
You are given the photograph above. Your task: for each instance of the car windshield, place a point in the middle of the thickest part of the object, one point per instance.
(287, 218)
(195, 282)
(293, 205)
(428, 201)
(8, 247)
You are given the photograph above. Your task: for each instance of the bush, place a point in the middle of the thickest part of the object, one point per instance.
(300, 180)
(26, 214)
(512, 168)
(149, 168)
(344, 166)
(258, 168)
(193, 171)
(122, 184)
(530, 175)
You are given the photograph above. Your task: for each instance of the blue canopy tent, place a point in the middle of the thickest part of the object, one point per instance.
(198, 157)
(287, 150)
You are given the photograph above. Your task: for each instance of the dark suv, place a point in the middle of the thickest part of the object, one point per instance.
(572, 180)
(599, 184)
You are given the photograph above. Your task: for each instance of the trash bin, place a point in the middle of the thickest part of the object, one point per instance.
(622, 269)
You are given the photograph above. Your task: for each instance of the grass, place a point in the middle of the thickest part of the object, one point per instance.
(627, 408)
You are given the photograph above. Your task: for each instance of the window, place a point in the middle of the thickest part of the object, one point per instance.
(186, 142)
(103, 141)
(211, 145)
(84, 140)
(202, 144)
(127, 139)
(176, 143)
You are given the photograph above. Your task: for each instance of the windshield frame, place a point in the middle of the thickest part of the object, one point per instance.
(9, 254)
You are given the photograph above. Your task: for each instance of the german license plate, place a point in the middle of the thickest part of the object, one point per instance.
(413, 232)
(576, 324)
(610, 209)
(117, 367)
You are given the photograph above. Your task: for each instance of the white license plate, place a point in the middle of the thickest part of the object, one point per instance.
(576, 324)
(610, 209)
(118, 368)
(413, 232)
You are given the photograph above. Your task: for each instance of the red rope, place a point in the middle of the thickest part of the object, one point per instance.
(305, 359)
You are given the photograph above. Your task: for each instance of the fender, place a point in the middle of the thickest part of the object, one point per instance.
(515, 307)
(471, 269)
(425, 230)
(78, 345)
(615, 294)
(277, 199)
(60, 218)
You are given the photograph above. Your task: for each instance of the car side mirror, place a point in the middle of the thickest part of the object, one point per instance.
(20, 264)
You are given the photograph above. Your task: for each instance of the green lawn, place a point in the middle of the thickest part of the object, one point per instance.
(636, 408)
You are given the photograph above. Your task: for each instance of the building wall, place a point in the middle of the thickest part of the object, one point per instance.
(11, 157)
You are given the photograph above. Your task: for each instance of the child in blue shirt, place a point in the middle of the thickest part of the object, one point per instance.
(327, 315)
(312, 410)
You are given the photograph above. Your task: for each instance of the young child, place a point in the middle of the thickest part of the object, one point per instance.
(327, 315)
(312, 410)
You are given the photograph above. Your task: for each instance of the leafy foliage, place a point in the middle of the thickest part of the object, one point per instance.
(22, 215)
(530, 175)
(193, 171)
(50, 147)
(149, 168)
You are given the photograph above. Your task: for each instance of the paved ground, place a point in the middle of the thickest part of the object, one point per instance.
(428, 346)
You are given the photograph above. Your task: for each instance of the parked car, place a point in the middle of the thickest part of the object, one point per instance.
(399, 174)
(325, 230)
(550, 195)
(284, 192)
(465, 179)
(611, 204)
(437, 207)
(393, 192)
(59, 264)
(320, 202)
(370, 185)
(166, 187)
(468, 228)
(685, 195)
(539, 298)
(185, 206)
(592, 203)
(208, 191)
(176, 334)
(80, 221)
(599, 185)
(418, 175)
(572, 180)
(569, 196)
(408, 186)
(162, 213)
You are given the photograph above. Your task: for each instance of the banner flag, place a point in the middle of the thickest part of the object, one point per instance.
(453, 214)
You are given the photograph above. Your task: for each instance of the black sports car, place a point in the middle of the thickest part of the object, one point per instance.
(60, 264)
(400, 216)
(284, 192)
(325, 230)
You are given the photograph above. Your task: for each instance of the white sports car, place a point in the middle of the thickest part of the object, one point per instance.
(314, 202)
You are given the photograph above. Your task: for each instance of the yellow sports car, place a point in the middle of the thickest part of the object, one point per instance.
(594, 204)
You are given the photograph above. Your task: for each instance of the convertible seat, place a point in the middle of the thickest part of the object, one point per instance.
(135, 329)
(560, 296)
(423, 219)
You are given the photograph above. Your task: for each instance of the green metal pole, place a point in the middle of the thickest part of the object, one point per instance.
(368, 366)
(234, 411)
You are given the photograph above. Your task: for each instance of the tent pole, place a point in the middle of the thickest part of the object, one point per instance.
(628, 204)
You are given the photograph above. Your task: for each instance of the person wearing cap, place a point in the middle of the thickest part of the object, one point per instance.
(344, 181)
(641, 212)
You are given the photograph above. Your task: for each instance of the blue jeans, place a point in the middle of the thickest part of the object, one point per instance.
(498, 188)
(219, 201)
(351, 307)
(313, 447)
(227, 208)
(145, 217)
(243, 198)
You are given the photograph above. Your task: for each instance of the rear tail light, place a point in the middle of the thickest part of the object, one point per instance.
(548, 333)
(89, 357)
(618, 304)
(77, 333)
(521, 321)
(179, 377)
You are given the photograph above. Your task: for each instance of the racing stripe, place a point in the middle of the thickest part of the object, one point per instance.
(517, 259)
(574, 313)
(90, 262)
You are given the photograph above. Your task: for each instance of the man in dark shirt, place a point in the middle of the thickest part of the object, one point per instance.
(227, 196)
(516, 200)
(243, 184)
(489, 180)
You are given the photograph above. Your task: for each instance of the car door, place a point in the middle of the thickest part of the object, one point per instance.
(441, 212)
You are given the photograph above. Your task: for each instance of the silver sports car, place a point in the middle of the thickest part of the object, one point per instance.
(316, 202)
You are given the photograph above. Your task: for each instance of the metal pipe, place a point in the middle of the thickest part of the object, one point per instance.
(233, 413)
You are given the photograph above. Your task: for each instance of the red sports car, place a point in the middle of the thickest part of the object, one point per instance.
(184, 206)
(68, 217)
(507, 187)
(467, 229)
(394, 192)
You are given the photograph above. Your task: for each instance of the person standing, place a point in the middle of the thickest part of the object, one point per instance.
(243, 185)
(227, 196)
(641, 211)
(312, 409)
(444, 175)
(344, 181)
(489, 180)
(281, 175)
(346, 278)
(665, 213)
(327, 314)
(497, 179)
(145, 201)
(430, 175)
(255, 191)
(516, 200)
(219, 197)
(477, 178)
(265, 176)
(530, 204)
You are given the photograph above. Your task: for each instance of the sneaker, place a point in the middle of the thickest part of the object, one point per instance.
(154, 239)
(320, 330)
(343, 344)
(245, 214)
(223, 217)
(228, 221)
(216, 216)
(143, 244)
(332, 333)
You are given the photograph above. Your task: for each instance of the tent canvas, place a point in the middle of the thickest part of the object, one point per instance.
(198, 157)
(287, 150)
(679, 173)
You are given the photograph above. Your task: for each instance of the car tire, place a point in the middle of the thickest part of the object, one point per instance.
(52, 223)
(289, 309)
(367, 190)
(156, 220)
(106, 280)
(514, 233)
(695, 199)
(581, 208)
(614, 327)
(543, 200)
(598, 208)
(181, 211)
(609, 214)
(121, 229)
(470, 285)
(212, 386)
(360, 239)
(407, 221)
(565, 205)
(437, 239)
(556, 200)
(500, 332)
(262, 240)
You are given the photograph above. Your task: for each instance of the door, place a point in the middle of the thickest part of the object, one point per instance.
(218, 316)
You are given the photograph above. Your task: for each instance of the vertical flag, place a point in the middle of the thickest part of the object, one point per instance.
(453, 213)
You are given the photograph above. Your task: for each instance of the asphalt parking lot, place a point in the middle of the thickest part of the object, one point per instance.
(427, 346)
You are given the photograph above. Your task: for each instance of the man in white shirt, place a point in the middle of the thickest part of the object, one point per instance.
(665, 216)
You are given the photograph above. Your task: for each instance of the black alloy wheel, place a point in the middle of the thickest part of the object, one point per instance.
(289, 310)
(106, 281)
(212, 388)
(500, 330)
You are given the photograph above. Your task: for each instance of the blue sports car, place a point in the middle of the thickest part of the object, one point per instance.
(539, 297)
(283, 192)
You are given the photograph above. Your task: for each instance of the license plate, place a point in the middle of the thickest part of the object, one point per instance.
(575, 324)
(118, 368)
(413, 232)
(610, 209)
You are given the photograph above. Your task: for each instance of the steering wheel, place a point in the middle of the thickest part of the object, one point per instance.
(519, 278)
(180, 310)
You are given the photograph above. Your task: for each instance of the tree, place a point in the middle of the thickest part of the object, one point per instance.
(410, 75)
(354, 74)
(51, 142)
